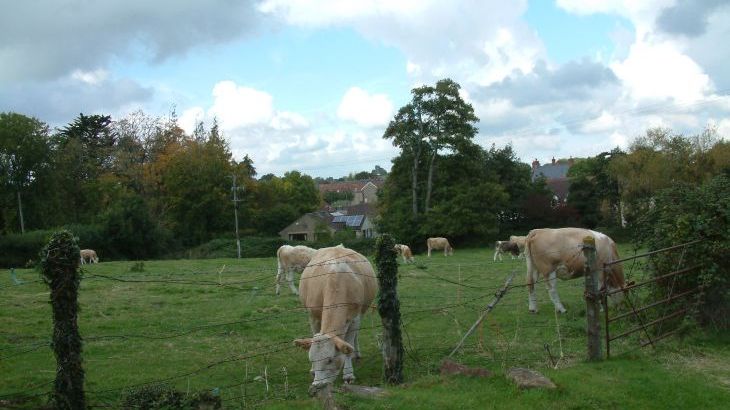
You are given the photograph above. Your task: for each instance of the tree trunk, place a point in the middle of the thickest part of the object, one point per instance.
(20, 213)
(430, 181)
(414, 181)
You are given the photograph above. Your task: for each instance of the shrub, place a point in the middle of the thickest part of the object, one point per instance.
(162, 396)
(683, 213)
(17, 249)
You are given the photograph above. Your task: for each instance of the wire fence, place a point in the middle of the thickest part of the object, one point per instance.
(250, 361)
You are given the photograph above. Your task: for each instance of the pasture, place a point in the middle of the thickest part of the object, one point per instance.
(216, 325)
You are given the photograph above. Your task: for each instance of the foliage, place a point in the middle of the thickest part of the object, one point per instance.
(594, 190)
(683, 213)
(17, 249)
(163, 396)
(389, 309)
(60, 271)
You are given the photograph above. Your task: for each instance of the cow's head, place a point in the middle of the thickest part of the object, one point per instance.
(614, 280)
(327, 355)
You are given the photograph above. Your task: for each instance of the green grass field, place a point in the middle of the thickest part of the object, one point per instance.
(216, 325)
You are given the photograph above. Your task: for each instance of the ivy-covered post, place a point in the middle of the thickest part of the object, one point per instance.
(389, 309)
(60, 269)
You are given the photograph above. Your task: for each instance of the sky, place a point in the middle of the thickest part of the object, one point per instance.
(311, 85)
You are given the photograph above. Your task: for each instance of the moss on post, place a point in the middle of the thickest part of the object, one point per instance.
(60, 270)
(389, 309)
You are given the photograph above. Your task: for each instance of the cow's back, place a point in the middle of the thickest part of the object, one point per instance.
(549, 248)
(341, 269)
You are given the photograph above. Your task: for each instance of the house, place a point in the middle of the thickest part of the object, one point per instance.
(325, 223)
(556, 177)
(349, 193)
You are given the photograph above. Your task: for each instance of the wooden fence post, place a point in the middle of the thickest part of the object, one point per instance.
(389, 309)
(60, 269)
(593, 301)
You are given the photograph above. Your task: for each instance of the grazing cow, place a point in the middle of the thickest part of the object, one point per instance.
(337, 287)
(291, 259)
(88, 255)
(520, 241)
(439, 243)
(557, 253)
(503, 247)
(405, 252)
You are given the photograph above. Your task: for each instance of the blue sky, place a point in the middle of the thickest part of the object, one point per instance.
(312, 84)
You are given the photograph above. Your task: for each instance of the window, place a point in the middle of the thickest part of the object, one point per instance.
(297, 236)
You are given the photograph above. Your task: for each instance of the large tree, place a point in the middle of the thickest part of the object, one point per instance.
(24, 154)
(436, 119)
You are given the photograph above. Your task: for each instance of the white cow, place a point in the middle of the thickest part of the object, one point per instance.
(88, 255)
(501, 247)
(337, 288)
(439, 243)
(520, 241)
(405, 252)
(291, 259)
(557, 253)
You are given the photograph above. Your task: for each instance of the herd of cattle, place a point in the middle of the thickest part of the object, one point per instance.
(338, 285)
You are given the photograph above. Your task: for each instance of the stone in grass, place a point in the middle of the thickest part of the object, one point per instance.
(364, 391)
(528, 379)
(449, 367)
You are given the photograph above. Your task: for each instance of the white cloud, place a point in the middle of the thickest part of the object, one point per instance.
(601, 124)
(237, 106)
(659, 70)
(94, 77)
(365, 109)
(190, 118)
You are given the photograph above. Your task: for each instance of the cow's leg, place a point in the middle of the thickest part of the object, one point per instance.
(348, 372)
(290, 279)
(531, 279)
(279, 274)
(553, 292)
(429, 251)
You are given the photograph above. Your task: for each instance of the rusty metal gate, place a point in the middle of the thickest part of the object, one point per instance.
(652, 336)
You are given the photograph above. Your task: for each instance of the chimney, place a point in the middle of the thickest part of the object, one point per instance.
(553, 160)
(535, 164)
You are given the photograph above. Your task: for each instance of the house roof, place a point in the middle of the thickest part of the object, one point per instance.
(349, 185)
(551, 171)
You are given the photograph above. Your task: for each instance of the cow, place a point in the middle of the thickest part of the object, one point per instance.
(337, 288)
(405, 252)
(90, 255)
(439, 243)
(291, 259)
(501, 247)
(520, 241)
(557, 253)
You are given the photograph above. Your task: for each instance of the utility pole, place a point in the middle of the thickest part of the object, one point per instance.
(234, 188)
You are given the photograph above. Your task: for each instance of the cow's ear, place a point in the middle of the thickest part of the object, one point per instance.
(303, 343)
(342, 345)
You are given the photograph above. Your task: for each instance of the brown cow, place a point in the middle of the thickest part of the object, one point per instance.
(557, 253)
(501, 247)
(439, 243)
(90, 255)
(291, 259)
(520, 241)
(405, 252)
(337, 287)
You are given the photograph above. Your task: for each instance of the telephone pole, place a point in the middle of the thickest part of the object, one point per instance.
(234, 188)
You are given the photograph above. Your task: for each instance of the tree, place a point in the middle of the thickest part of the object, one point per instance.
(594, 190)
(437, 118)
(24, 153)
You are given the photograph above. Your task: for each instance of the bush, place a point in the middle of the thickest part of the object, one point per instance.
(681, 214)
(162, 396)
(17, 249)
(266, 247)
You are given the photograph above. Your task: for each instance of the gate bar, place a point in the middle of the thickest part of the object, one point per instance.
(653, 322)
(658, 278)
(653, 252)
(654, 304)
